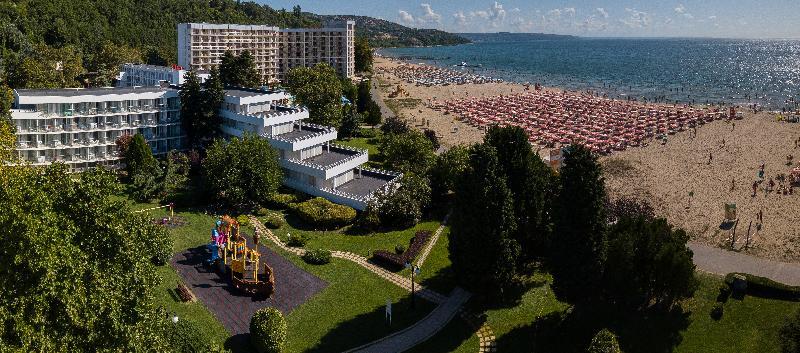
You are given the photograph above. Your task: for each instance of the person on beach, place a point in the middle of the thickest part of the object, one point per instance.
(733, 184)
(755, 188)
(710, 158)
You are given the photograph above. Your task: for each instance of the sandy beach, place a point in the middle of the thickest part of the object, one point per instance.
(662, 174)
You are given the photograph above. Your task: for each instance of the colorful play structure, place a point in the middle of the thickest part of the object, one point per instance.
(240, 261)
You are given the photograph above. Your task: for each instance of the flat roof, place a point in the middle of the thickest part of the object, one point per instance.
(364, 185)
(99, 91)
(328, 158)
(248, 92)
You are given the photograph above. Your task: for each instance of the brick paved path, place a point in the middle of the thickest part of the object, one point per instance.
(419, 332)
(293, 286)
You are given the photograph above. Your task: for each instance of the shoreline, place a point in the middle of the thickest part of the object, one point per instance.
(663, 174)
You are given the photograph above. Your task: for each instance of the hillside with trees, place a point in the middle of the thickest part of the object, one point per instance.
(382, 33)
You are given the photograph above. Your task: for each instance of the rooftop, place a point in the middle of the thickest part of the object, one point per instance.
(365, 185)
(334, 156)
(99, 91)
(248, 92)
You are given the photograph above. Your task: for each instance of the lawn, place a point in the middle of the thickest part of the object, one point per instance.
(367, 143)
(349, 312)
(344, 240)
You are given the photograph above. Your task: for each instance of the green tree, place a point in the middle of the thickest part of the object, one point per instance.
(482, 250)
(7, 129)
(268, 331)
(400, 207)
(579, 243)
(364, 95)
(350, 124)
(408, 152)
(532, 185)
(107, 60)
(176, 173)
(319, 89)
(82, 279)
(394, 125)
(142, 168)
(200, 117)
(239, 71)
(242, 172)
(604, 341)
(448, 168)
(47, 67)
(363, 55)
(648, 264)
(374, 115)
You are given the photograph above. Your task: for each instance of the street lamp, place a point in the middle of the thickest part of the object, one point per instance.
(414, 271)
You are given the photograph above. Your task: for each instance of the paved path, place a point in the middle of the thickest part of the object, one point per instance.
(425, 252)
(721, 262)
(376, 96)
(424, 329)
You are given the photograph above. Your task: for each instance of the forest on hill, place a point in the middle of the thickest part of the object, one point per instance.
(383, 34)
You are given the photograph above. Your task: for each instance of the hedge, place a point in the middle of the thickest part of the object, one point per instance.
(297, 241)
(268, 331)
(323, 213)
(398, 261)
(273, 220)
(317, 257)
(765, 287)
(282, 200)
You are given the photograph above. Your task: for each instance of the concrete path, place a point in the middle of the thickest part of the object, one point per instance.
(722, 262)
(431, 243)
(376, 96)
(421, 331)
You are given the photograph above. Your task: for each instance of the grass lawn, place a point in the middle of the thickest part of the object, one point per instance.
(367, 143)
(355, 243)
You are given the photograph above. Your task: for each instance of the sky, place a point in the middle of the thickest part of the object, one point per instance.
(601, 18)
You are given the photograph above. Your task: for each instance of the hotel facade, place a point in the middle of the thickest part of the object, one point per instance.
(275, 50)
(311, 162)
(80, 127)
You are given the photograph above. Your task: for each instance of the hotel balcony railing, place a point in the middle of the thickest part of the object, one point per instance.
(321, 130)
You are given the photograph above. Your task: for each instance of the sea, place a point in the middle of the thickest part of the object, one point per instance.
(696, 71)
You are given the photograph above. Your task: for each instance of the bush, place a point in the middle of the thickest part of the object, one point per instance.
(261, 212)
(243, 220)
(724, 293)
(790, 334)
(716, 311)
(273, 220)
(604, 342)
(317, 257)
(185, 336)
(765, 287)
(399, 249)
(297, 241)
(159, 242)
(323, 213)
(397, 261)
(268, 331)
(282, 201)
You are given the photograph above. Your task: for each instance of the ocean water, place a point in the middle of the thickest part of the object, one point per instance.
(698, 71)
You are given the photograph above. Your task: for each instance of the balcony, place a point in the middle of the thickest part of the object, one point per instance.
(355, 193)
(302, 137)
(331, 162)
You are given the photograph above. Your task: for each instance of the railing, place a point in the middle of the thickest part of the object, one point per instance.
(323, 130)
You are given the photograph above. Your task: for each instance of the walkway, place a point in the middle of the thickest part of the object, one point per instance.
(432, 242)
(424, 329)
(722, 262)
(376, 96)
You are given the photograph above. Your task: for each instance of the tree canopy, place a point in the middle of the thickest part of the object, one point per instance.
(200, 106)
(239, 70)
(363, 55)
(80, 275)
(408, 152)
(7, 137)
(319, 89)
(242, 172)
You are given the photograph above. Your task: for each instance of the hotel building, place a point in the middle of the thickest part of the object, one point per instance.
(152, 75)
(80, 127)
(276, 51)
(310, 161)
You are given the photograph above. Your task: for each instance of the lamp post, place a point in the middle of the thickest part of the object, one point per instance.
(414, 271)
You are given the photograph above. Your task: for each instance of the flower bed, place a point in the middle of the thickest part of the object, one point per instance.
(395, 261)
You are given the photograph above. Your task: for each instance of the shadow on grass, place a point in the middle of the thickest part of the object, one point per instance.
(571, 331)
(239, 343)
(371, 326)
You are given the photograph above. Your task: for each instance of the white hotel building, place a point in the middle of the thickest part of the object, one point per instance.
(276, 51)
(80, 127)
(153, 75)
(311, 162)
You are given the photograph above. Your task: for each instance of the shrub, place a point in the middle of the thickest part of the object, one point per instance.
(159, 242)
(790, 334)
(261, 212)
(724, 293)
(397, 261)
(185, 336)
(765, 287)
(297, 241)
(323, 213)
(716, 311)
(317, 257)
(268, 331)
(243, 220)
(282, 201)
(604, 342)
(273, 220)
(399, 249)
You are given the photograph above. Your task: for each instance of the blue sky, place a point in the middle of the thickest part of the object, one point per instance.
(604, 18)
